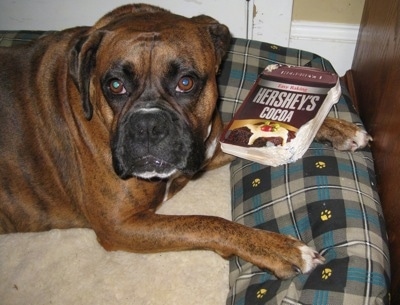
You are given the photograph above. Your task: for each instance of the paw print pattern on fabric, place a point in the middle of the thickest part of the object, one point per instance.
(256, 182)
(261, 293)
(326, 273)
(326, 215)
(274, 47)
(320, 164)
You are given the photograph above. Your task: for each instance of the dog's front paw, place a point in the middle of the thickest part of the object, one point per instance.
(283, 255)
(360, 140)
(293, 262)
(311, 259)
(343, 135)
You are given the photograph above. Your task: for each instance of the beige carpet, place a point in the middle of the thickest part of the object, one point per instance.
(70, 267)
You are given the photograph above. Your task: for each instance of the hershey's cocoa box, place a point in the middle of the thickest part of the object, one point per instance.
(281, 114)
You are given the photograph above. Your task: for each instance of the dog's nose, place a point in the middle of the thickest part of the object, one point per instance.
(150, 127)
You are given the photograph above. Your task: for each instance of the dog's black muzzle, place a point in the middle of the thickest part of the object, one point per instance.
(154, 143)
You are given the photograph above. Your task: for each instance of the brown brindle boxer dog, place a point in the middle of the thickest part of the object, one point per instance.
(101, 124)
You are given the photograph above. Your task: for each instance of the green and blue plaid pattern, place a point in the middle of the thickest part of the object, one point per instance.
(12, 38)
(327, 199)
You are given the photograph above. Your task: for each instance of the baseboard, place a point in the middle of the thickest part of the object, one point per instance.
(337, 32)
(333, 41)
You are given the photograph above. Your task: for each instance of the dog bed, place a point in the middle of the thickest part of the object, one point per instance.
(328, 199)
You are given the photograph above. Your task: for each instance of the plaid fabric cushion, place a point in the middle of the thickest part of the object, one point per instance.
(327, 199)
(12, 38)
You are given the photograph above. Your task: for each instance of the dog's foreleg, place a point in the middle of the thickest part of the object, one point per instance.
(342, 134)
(149, 232)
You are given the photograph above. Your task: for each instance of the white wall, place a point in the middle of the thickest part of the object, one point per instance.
(60, 14)
(333, 41)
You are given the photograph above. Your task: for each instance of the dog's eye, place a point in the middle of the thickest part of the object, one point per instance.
(117, 87)
(185, 84)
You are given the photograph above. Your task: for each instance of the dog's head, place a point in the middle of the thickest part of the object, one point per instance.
(150, 76)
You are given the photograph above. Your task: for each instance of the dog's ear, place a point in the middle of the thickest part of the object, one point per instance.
(82, 60)
(219, 34)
